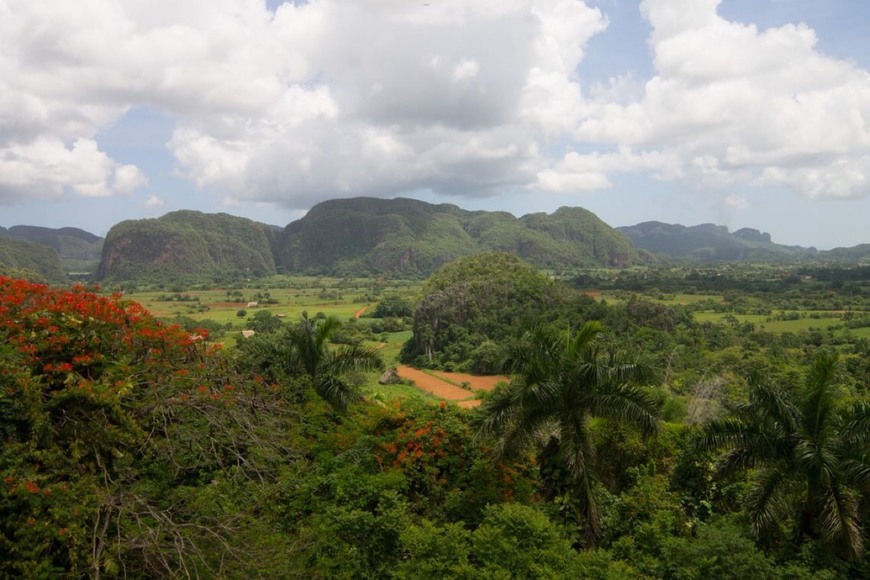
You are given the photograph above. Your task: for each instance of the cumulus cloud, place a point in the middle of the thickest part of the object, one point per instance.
(741, 105)
(316, 99)
(154, 201)
(332, 98)
(44, 168)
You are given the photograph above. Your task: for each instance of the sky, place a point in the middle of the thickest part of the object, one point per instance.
(743, 113)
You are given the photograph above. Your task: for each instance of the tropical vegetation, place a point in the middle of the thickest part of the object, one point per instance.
(676, 422)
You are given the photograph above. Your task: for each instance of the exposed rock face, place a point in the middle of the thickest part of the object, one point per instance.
(390, 377)
(753, 235)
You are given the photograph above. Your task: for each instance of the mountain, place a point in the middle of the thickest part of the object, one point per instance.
(69, 243)
(30, 260)
(709, 242)
(859, 252)
(372, 236)
(187, 245)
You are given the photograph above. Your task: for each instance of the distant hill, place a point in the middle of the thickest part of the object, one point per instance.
(371, 236)
(69, 243)
(708, 242)
(859, 252)
(24, 259)
(79, 251)
(187, 245)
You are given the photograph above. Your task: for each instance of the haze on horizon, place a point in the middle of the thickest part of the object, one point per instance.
(744, 113)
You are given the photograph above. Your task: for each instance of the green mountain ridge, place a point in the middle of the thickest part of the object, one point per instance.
(187, 245)
(374, 236)
(709, 242)
(24, 259)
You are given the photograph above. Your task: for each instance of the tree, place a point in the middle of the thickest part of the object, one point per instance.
(559, 383)
(265, 322)
(310, 355)
(811, 452)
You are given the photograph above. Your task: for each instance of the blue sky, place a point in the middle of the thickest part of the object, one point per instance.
(745, 113)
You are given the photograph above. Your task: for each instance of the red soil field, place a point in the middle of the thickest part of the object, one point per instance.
(433, 385)
(478, 383)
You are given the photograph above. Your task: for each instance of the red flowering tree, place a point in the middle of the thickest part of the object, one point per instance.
(92, 391)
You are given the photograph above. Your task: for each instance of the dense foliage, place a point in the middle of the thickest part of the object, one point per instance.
(472, 303)
(31, 260)
(187, 246)
(133, 447)
(69, 243)
(367, 236)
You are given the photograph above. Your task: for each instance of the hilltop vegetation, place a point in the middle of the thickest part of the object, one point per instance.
(708, 242)
(471, 305)
(30, 260)
(365, 236)
(394, 237)
(69, 243)
(187, 245)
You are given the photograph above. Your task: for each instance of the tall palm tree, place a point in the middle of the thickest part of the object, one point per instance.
(558, 384)
(310, 355)
(811, 453)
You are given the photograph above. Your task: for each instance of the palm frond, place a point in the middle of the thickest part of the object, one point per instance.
(857, 471)
(588, 505)
(773, 403)
(336, 392)
(766, 500)
(585, 338)
(855, 424)
(493, 416)
(748, 444)
(627, 403)
(839, 520)
(818, 396)
(578, 450)
(354, 358)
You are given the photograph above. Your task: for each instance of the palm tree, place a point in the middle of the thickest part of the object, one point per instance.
(559, 383)
(811, 453)
(310, 355)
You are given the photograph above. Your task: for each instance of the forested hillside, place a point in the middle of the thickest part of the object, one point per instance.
(187, 245)
(365, 236)
(69, 243)
(708, 242)
(30, 260)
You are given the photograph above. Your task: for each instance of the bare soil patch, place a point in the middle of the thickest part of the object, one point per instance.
(434, 385)
(477, 382)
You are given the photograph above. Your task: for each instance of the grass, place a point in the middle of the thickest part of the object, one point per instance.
(765, 322)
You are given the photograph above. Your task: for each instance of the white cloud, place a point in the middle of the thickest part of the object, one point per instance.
(740, 105)
(735, 201)
(44, 168)
(334, 98)
(314, 100)
(154, 201)
(466, 69)
(127, 179)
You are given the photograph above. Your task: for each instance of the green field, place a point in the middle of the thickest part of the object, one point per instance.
(342, 298)
(764, 322)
